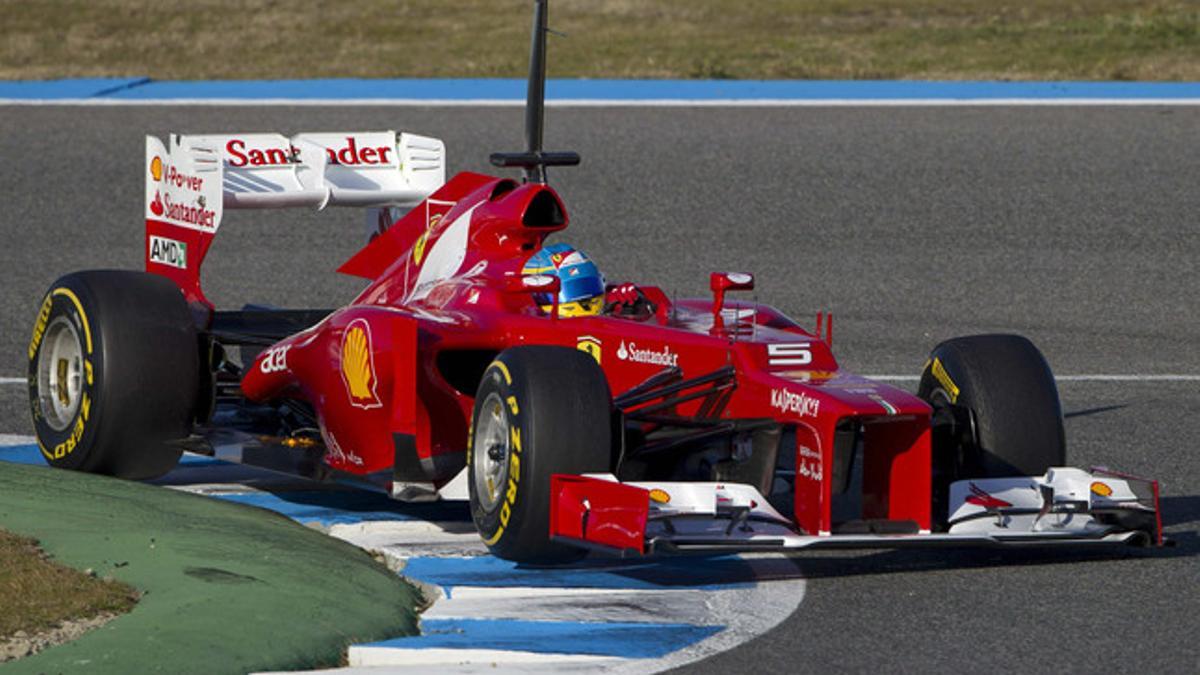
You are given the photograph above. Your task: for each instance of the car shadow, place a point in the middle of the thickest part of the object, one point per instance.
(1094, 411)
(1180, 509)
(1186, 545)
(362, 505)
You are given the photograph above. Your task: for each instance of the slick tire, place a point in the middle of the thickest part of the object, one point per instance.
(538, 411)
(113, 373)
(1009, 417)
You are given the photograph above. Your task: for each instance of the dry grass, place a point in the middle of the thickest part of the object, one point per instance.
(768, 39)
(37, 593)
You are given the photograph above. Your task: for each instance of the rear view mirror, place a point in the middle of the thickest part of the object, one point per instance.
(720, 282)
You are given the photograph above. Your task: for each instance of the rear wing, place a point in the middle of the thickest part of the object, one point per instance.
(192, 180)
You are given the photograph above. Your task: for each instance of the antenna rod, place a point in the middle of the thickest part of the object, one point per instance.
(534, 160)
(536, 96)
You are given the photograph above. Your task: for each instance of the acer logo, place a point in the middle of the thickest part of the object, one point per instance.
(274, 360)
(240, 156)
(352, 154)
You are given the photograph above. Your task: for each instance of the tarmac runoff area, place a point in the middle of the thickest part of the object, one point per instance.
(486, 613)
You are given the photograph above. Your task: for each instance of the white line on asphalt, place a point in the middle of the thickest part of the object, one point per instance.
(16, 439)
(482, 660)
(614, 103)
(1168, 377)
(1098, 377)
(680, 605)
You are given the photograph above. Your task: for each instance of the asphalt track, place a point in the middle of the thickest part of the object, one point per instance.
(1073, 226)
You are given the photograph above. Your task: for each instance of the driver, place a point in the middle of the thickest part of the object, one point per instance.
(582, 288)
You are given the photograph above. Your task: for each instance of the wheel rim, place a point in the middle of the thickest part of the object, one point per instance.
(60, 374)
(490, 458)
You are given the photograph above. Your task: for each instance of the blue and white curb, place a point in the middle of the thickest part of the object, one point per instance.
(486, 613)
(576, 92)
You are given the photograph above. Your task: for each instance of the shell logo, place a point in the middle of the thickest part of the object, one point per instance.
(1101, 489)
(156, 168)
(358, 366)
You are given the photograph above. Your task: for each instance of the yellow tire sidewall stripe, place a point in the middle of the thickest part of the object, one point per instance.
(70, 295)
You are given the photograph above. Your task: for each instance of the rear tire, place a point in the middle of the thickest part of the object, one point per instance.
(996, 411)
(113, 373)
(538, 411)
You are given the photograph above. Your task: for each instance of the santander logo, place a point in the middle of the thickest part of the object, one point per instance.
(156, 206)
(661, 357)
(238, 155)
(352, 154)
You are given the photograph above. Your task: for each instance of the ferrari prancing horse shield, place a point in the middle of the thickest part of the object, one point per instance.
(589, 345)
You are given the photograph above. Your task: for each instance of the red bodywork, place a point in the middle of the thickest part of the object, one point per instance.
(392, 375)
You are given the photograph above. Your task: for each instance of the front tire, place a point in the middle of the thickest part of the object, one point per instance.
(996, 411)
(113, 373)
(538, 411)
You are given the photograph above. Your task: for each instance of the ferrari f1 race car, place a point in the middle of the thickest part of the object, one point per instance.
(706, 424)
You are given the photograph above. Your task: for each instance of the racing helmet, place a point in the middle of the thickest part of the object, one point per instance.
(581, 284)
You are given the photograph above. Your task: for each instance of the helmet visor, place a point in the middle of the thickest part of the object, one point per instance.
(581, 287)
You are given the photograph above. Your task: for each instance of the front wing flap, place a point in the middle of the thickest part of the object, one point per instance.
(1066, 506)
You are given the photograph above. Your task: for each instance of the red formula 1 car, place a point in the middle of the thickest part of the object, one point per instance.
(699, 424)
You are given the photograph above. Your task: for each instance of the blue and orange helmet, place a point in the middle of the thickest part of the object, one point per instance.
(581, 284)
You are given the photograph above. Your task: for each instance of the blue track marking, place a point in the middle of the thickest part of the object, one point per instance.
(626, 638)
(194, 461)
(21, 454)
(327, 507)
(332, 507)
(29, 454)
(629, 640)
(72, 88)
(487, 571)
(143, 89)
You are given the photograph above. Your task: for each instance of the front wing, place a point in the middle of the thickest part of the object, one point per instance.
(1065, 506)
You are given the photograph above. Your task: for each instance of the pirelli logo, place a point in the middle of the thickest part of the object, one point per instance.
(943, 378)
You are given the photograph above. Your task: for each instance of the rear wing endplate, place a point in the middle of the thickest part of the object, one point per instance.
(191, 180)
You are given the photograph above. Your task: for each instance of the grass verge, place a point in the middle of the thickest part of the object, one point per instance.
(225, 587)
(37, 593)
(764, 39)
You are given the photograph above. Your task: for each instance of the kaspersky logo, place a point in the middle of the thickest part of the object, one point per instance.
(358, 366)
(802, 404)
